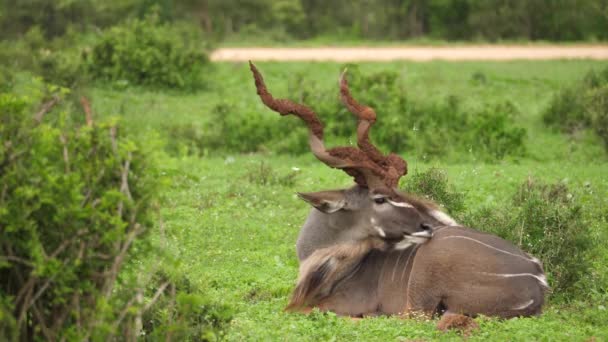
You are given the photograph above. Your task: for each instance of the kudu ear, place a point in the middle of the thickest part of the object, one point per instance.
(325, 201)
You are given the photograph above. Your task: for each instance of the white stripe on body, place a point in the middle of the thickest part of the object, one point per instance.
(524, 305)
(540, 278)
(489, 246)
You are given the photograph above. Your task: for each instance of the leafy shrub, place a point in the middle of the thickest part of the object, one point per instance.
(265, 175)
(76, 206)
(492, 132)
(545, 221)
(62, 67)
(185, 139)
(6, 79)
(229, 129)
(430, 129)
(73, 200)
(433, 184)
(181, 313)
(149, 52)
(58, 61)
(583, 105)
(479, 77)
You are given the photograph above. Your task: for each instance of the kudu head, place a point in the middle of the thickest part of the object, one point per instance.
(359, 213)
(373, 208)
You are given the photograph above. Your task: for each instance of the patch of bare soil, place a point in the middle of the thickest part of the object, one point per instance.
(413, 53)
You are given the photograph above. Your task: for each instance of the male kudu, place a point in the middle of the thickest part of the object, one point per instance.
(368, 250)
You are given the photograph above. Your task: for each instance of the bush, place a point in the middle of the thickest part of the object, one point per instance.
(73, 200)
(433, 184)
(58, 61)
(61, 67)
(582, 106)
(6, 80)
(182, 313)
(149, 52)
(431, 129)
(76, 206)
(264, 175)
(546, 221)
(229, 129)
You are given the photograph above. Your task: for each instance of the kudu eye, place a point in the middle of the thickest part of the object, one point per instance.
(380, 200)
(426, 226)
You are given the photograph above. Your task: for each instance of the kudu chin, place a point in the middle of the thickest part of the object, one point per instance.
(372, 250)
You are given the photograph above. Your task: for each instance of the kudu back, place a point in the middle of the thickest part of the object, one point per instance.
(368, 250)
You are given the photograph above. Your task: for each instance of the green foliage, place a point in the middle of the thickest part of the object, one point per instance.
(67, 216)
(6, 79)
(73, 199)
(265, 175)
(150, 52)
(433, 184)
(397, 20)
(546, 221)
(57, 61)
(61, 67)
(242, 244)
(283, 20)
(182, 313)
(55, 18)
(76, 208)
(231, 237)
(432, 128)
(229, 129)
(583, 105)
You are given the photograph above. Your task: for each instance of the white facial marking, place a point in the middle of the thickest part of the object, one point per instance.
(400, 204)
(381, 207)
(403, 244)
(424, 234)
(524, 305)
(380, 231)
(414, 239)
(443, 218)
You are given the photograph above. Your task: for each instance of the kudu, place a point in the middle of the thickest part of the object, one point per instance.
(368, 250)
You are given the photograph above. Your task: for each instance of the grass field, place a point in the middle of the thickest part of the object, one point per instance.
(231, 220)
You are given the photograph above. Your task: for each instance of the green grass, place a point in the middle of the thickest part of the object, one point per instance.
(237, 238)
(528, 85)
(234, 237)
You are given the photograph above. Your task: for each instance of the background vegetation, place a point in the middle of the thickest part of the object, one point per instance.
(275, 21)
(146, 193)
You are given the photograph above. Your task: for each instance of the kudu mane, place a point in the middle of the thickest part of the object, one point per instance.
(322, 271)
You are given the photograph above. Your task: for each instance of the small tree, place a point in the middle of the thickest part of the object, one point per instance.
(73, 200)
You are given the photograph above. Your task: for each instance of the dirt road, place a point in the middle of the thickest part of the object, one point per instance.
(413, 53)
